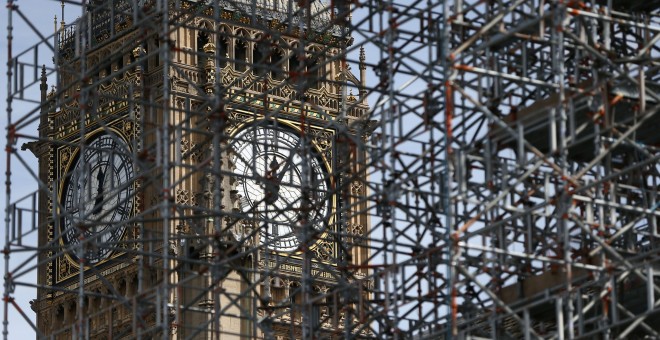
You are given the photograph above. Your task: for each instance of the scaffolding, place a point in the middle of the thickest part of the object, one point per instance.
(488, 172)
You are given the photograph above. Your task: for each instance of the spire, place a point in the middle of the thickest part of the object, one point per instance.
(44, 85)
(62, 23)
(363, 58)
(363, 74)
(45, 108)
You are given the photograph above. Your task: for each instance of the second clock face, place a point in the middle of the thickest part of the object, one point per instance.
(97, 199)
(282, 185)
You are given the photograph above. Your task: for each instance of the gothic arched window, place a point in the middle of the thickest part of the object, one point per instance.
(240, 54)
(278, 63)
(202, 39)
(261, 57)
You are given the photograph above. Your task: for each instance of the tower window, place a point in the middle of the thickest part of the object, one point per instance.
(107, 71)
(294, 66)
(240, 53)
(223, 50)
(118, 63)
(277, 64)
(315, 71)
(202, 39)
(261, 58)
(157, 54)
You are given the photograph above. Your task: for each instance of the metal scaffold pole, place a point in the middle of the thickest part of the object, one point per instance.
(278, 169)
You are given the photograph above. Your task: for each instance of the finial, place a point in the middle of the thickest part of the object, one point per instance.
(363, 58)
(52, 91)
(351, 97)
(62, 2)
(55, 23)
(138, 52)
(44, 85)
(209, 48)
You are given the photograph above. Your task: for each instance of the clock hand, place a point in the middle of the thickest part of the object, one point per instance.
(288, 163)
(98, 207)
(101, 178)
(271, 184)
(273, 180)
(291, 193)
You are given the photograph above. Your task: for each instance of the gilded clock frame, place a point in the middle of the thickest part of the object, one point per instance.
(323, 144)
(66, 266)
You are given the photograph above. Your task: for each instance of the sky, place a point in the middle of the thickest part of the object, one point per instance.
(41, 14)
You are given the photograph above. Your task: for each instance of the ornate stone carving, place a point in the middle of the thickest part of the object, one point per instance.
(356, 187)
(324, 251)
(287, 91)
(323, 140)
(127, 127)
(138, 52)
(65, 156)
(354, 234)
(185, 197)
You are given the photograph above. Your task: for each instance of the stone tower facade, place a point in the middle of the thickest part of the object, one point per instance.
(204, 173)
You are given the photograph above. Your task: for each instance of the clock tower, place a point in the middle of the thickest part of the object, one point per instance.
(205, 177)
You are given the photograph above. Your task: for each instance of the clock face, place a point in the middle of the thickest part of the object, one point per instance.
(280, 186)
(98, 199)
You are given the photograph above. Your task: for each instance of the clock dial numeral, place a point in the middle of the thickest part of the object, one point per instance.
(121, 210)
